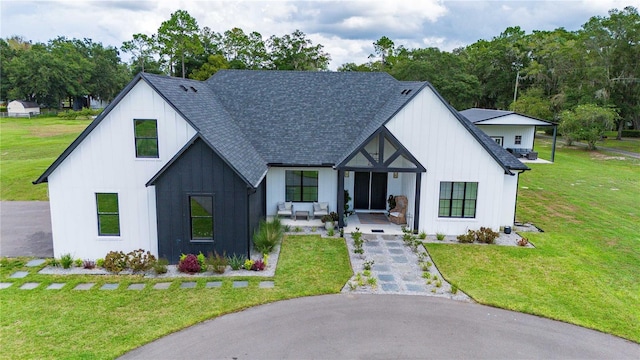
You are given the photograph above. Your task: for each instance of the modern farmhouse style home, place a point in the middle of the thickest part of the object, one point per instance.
(180, 166)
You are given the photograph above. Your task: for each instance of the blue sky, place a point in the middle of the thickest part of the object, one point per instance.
(347, 29)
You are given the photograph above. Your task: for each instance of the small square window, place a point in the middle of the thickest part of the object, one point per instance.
(518, 140)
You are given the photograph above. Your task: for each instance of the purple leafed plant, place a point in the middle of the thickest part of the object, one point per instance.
(258, 265)
(189, 264)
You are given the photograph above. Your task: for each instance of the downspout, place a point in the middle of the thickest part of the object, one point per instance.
(340, 199)
(515, 205)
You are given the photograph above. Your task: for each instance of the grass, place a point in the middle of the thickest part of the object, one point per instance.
(27, 148)
(584, 269)
(92, 324)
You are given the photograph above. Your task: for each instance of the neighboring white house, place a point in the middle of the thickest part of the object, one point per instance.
(514, 132)
(180, 166)
(22, 108)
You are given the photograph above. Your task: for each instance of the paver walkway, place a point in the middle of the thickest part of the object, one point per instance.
(397, 269)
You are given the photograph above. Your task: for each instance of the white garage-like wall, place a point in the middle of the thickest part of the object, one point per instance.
(509, 133)
(449, 152)
(106, 162)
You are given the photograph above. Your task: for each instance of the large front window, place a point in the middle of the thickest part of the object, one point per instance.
(108, 214)
(301, 186)
(458, 199)
(146, 133)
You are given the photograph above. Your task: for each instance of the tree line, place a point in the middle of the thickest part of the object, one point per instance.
(544, 74)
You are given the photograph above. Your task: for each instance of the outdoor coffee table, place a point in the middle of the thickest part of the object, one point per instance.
(301, 213)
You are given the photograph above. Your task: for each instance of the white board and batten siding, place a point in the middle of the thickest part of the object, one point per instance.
(106, 162)
(428, 129)
(327, 188)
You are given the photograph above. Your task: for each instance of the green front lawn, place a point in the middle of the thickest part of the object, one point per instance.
(69, 324)
(27, 148)
(585, 268)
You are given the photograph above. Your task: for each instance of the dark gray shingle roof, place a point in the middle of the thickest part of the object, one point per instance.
(303, 118)
(477, 115)
(199, 105)
(256, 118)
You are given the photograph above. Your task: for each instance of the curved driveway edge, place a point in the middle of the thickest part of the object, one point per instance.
(383, 327)
(25, 229)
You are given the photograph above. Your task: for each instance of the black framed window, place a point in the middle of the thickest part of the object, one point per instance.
(108, 214)
(518, 139)
(301, 186)
(458, 199)
(201, 213)
(146, 134)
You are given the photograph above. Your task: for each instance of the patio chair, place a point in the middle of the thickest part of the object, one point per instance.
(320, 209)
(285, 209)
(397, 214)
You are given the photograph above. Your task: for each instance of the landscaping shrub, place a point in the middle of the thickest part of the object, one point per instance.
(160, 266)
(66, 260)
(248, 264)
(236, 261)
(357, 241)
(258, 265)
(115, 261)
(267, 236)
(100, 262)
(139, 261)
(189, 264)
(217, 262)
(486, 235)
(78, 262)
(440, 236)
(423, 235)
(631, 133)
(89, 264)
(469, 237)
(523, 242)
(202, 261)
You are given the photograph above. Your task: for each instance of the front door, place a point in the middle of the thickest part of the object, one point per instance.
(370, 191)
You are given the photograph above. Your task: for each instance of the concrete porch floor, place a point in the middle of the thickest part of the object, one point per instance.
(353, 222)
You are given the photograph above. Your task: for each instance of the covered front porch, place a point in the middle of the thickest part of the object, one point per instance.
(379, 167)
(367, 222)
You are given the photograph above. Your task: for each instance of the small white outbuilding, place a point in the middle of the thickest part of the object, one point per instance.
(23, 108)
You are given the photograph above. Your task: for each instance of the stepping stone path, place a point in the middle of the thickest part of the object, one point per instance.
(266, 285)
(29, 286)
(115, 286)
(86, 286)
(35, 262)
(240, 284)
(19, 274)
(162, 286)
(188, 285)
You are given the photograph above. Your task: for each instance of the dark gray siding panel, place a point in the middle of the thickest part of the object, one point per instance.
(257, 208)
(199, 171)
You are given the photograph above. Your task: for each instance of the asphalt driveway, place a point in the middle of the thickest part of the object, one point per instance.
(384, 327)
(25, 229)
